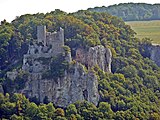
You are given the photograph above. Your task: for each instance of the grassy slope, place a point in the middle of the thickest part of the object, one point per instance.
(149, 29)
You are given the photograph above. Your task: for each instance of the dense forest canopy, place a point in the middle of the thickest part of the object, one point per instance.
(131, 91)
(132, 11)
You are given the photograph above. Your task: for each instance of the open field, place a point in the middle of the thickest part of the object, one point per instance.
(149, 29)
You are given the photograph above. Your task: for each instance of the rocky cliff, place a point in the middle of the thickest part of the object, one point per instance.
(98, 55)
(77, 84)
(155, 53)
(50, 74)
(1, 89)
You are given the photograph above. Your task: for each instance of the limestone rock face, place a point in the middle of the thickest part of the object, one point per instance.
(97, 55)
(12, 75)
(76, 85)
(155, 54)
(1, 89)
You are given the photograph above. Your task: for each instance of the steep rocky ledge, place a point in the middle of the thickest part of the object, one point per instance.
(155, 53)
(47, 81)
(98, 55)
(1, 89)
(76, 85)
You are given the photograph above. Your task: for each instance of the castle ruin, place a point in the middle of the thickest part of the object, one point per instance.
(76, 84)
(47, 45)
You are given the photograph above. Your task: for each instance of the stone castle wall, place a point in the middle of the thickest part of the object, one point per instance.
(41, 34)
(49, 45)
(56, 40)
(76, 84)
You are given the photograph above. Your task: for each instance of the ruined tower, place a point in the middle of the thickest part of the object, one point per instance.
(77, 84)
(41, 34)
(55, 40)
(49, 45)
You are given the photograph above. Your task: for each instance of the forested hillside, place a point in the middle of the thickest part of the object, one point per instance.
(131, 91)
(132, 11)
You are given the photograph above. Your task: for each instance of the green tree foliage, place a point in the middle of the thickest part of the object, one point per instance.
(18, 107)
(32, 110)
(71, 109)
(18, 83)
(132, 11)
(131, 91)
(106, 110)
(58, 67)
(60, 112)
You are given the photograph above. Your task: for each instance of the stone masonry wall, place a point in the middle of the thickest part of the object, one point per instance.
(77, 83)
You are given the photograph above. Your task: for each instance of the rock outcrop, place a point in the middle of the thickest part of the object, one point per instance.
(1, 89)
(78, 81)
(98, 55)
(155, 54)
(76, 85)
